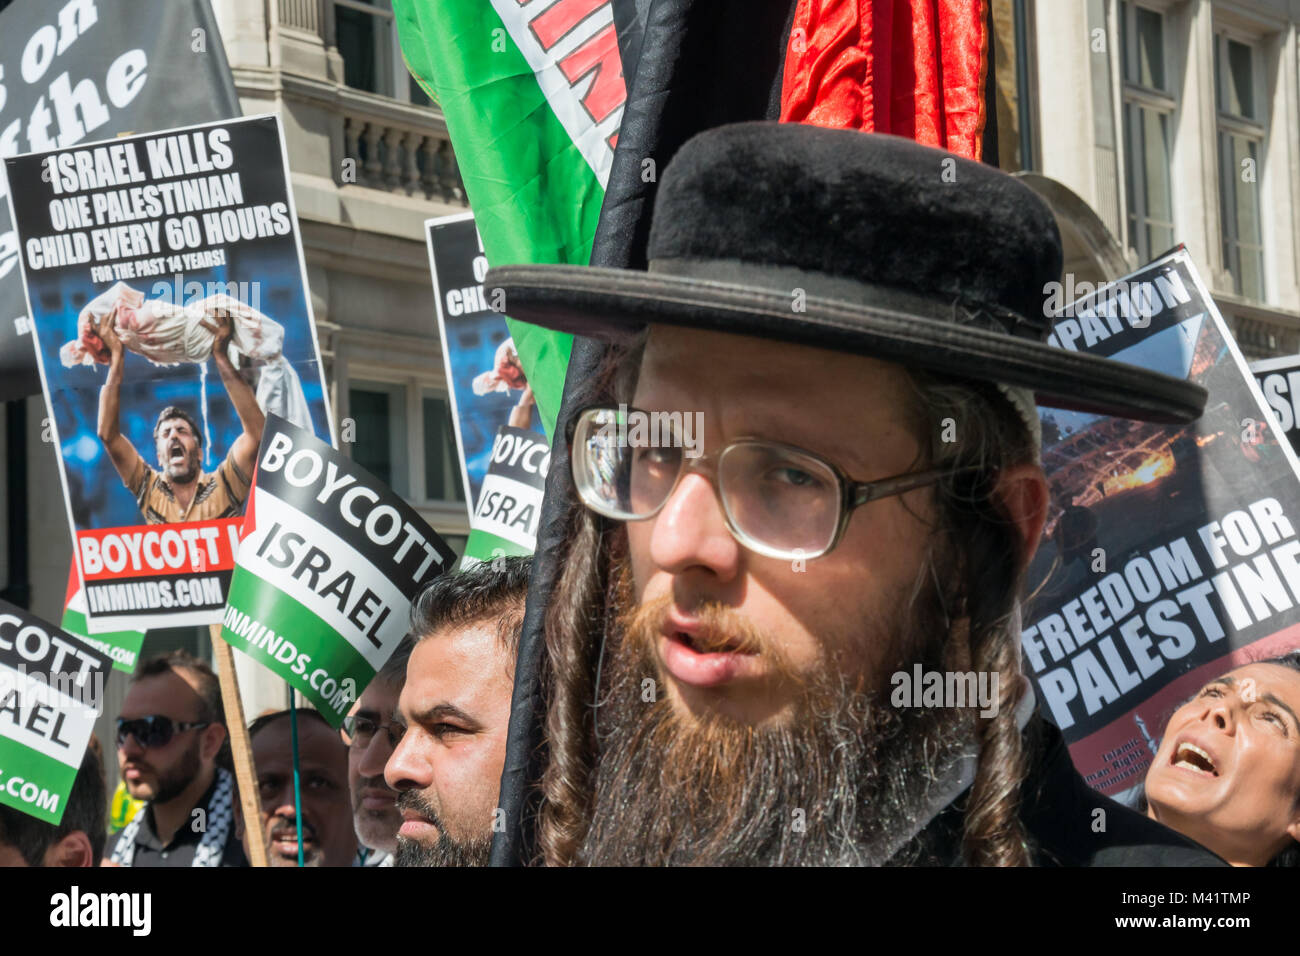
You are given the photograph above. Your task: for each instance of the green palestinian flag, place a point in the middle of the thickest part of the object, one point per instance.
(329, 562)
(533, 96)
(122, 647)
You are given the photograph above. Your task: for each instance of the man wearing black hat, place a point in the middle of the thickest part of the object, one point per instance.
(859, 321)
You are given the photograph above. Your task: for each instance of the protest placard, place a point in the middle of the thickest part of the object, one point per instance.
(51, 691)
(1279, 380)
(499, 436)
(84, 69)
(330, 562)
(510, 501)
(1171, 552)
(152, 262)
(122, 647)
(485, 379)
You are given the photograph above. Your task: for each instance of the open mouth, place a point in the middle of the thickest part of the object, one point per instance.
(286, 840)
(708, 658)
(176, 453)
(1191, 757)
(710, 643)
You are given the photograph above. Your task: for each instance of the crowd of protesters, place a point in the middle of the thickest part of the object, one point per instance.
(723, 626)
(410, 781)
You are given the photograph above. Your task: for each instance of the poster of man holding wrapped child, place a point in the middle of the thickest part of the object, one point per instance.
(150, 262)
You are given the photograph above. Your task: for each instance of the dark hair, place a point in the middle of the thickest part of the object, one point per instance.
(1290, 660)
(209, 690)
(86, 810)
(269, 717)
(394, 669)
(989, 564)
(492, 590)
(173, 411)
(991, 561)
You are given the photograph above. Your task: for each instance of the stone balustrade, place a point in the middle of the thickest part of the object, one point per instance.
(398, 148)
(1260, 338)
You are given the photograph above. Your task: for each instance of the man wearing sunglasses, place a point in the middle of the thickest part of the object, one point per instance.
(862, 336)
(171, 737)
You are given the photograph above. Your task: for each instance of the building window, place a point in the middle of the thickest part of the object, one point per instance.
(441, 464)
(403, 435)
(366, 35)
(1148, 126)
(379, 413)
(1241, 146)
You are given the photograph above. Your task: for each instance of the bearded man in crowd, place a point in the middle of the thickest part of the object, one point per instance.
(171, 749)
(859, 321)
(454, 711)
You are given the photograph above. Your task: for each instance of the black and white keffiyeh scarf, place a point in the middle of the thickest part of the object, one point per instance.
(219, 815)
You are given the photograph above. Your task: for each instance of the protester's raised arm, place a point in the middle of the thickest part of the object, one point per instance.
(521, 416)
(244, 450)
(121, 451)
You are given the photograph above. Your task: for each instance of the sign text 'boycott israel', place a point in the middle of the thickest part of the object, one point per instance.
(328, 566)
(51, 691)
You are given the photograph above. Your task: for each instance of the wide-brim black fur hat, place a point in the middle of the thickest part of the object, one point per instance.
(857, 242)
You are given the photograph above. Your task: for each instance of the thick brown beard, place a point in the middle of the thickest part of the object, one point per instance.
(844, 780)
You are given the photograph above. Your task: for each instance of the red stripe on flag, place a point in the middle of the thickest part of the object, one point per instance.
(914, 68)
(966, 56)
(600, 54)
(550, 26)
(250, 509)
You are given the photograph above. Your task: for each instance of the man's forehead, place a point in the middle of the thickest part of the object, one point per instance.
(168, 693)
(1274, 678)
(318, 746)
(379, 697)
(463, 666)
(842, 405)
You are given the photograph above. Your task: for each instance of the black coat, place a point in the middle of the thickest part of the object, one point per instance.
(1059, 812)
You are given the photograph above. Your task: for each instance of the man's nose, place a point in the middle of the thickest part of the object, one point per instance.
(691, 531)
(281, 804)
(405, 769)
(130, 749)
